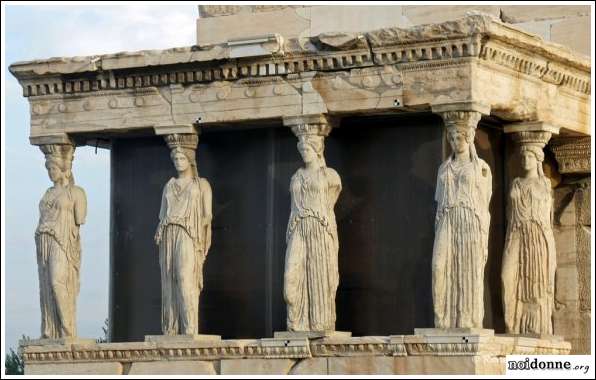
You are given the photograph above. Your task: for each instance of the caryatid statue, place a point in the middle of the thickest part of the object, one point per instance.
(529, 259)
(463, 193)
(311, 265)
(62, 210)
(184, 238)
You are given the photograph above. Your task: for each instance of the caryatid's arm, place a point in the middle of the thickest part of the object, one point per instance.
(207, 201)
(162, 214)
(334, 187)
(80, 205)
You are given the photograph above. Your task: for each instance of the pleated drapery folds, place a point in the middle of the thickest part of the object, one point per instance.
(182, 237)
(62, 210)
(311, 271)
(529, 260)
(461, 243)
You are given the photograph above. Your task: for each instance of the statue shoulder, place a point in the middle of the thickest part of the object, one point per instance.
(78, 193)
(484, 168)
(295, 175)
(483, 164)
(514, 186)
(332, 175)
(443, 167)
(204, 185)
(169, 183)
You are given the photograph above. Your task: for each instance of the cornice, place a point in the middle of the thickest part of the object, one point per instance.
(418, 48)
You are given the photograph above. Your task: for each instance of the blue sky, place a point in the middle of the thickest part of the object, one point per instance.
(37, 32)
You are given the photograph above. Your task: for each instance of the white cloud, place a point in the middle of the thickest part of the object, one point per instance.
(101, 29)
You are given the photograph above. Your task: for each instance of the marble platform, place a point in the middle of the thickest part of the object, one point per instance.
(426, 352)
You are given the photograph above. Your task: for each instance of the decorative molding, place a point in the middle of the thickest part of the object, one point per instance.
(292, 349)
(182, 140)
(180, 130)
(536, 67)
(573, 154)
(339, 74)
(359, 346)
(442, 349)
(418, 51)
(318, 125)
(531, 126)
(59, 138)
(467, 345)
(537, 138)
(155, 76)
(460, 119)
(448, 43)
(130, 352)
(456, 106)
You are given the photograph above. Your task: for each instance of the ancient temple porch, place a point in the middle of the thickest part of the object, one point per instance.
(387, 94)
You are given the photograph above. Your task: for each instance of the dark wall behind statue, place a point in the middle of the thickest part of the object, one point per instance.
(385, 215)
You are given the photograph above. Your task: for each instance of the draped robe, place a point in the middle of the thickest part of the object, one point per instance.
(311, 267)
(461, 243)
(529, 260)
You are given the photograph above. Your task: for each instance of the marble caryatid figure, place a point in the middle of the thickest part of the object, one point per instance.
(184, 238)
(529, 260)
(461, 228)
(311, 269)
(61, 212)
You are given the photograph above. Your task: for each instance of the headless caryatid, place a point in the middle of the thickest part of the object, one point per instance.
(62, 210)
(311, 268)
(184, 238)
(460, 249)
(529, 259)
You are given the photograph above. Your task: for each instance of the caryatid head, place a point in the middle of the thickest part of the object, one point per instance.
(461, 129)
(311, 141)
(59, 159)
(531, 150)
(183, 148)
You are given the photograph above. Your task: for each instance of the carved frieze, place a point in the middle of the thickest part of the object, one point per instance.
(291, 349)
(573, 154)
(358, 346)
(451, 40)
(476, 58)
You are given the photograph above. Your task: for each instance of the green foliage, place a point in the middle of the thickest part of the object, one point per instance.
(14, 364)
(104, 338)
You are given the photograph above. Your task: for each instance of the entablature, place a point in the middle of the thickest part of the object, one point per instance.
(473, 59)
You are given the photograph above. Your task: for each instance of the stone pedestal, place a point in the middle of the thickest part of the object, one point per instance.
(429, 352)
(56, 342)
(311, 334)
(451, 332)
(182, 338)
(554, 338)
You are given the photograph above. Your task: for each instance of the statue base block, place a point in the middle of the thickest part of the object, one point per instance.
(181, 338)
(56, 342)
(454, 332)
(310, 334)
(323, 355)
(534, 336)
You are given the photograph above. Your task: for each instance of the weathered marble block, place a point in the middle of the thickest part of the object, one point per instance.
(435, 352)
